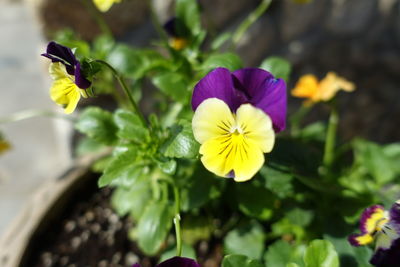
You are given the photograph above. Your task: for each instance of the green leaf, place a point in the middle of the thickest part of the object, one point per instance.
(188, 12)
(97, 124)
(88, 146)
(199, 189)
(121, 169)
(279, 67)
(181, 143)
(300, 217)
(292, 264)
(153, 226)
(281, 254)
(173, 85)
(132, 200)
(371, 156)
(277, 181)
(315, 131)
(195, 229)
(321, 253)
(130, 126)
(226, 60)
(247, 240)
(252, 204)
(240, 261)
(187, 252)
(168, 165)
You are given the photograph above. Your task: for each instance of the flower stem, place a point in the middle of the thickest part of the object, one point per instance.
(177, 221)
(331, 138)
(97, 16)
(122, 82)
(32, 113)
(253, 16)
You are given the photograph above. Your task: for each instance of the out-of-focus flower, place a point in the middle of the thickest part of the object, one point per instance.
(105, 5)
(177, 32)
(175, 262)
(314, 91)
(69, 82)
(235, 118)
(4, 145)
(383, 227)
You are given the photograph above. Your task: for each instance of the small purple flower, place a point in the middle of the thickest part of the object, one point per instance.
(63, 54)
(178, 33)
(175, 262)
(383, 227)
(250, 85)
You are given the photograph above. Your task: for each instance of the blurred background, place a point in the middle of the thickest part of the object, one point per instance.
(358, 39)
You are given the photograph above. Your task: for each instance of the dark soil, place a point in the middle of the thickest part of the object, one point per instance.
(87, 232)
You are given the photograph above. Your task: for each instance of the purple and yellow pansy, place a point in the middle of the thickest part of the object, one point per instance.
(236, 118)
(382, 227)
(177, 32)
(69, 82)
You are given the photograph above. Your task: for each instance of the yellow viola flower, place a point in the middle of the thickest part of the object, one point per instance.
(315, 91)
(64, 91)
(105, 5)
(232, 145)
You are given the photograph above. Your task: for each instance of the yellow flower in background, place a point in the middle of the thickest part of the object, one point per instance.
(64, 91)
(4, 146)
(105, 5)
(232, 145)
(315, 91)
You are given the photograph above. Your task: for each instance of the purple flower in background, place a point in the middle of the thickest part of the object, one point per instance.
(64, 55)
(250, 85)
(178, 33)
(175, 262)
(383, 227)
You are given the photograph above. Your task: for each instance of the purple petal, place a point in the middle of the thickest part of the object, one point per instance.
(179, 262)
(136, 265)
(80, 79)
(366, 215)
(273, 101)
(395, 213)
(353, 240)
(251, 81)
(385, 257)
(60, 53)
(218, 83)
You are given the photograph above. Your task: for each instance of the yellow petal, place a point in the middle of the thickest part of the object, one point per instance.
(212, 119)
(331, 84)
(58, 71)
(256, 126)
(226, 156)
(306, 87)
(364, 239)
(65, 92)
(105, 5)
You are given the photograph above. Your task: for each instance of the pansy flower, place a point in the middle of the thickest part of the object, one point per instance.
(236, 117)
(175, 262)
(178, 33)
(314, 91)
(105, 5)
(382, 227)
(69, 82)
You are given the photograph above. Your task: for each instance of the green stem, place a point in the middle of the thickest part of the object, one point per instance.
(97, 16)
(253, 16)
(122, 82)
(296, 118)
(331, 138)
(177, 221)
(32, 113)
